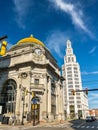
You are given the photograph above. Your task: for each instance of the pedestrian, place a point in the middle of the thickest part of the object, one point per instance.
(79, 117)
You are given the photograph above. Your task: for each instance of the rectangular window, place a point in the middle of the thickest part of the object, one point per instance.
(78, 98)
(77, 93)
(79, 106)
(36, 81)
(71, 98)
(71, 102)
(70, 86)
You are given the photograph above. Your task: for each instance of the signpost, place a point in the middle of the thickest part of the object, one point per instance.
(34, 102)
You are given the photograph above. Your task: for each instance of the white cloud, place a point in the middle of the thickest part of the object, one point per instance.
(93, 96)
(88, 73)
(56, 42)
(21, 8)
(75, 13)
(93, 50)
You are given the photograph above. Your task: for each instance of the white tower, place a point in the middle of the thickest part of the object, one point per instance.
(75, 106)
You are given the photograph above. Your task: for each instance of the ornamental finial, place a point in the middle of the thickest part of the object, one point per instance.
(31, 35)
(68, 44)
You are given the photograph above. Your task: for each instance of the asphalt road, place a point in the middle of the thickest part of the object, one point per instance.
(86, 126)
(74, 126)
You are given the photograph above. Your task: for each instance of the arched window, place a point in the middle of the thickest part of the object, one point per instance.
(8, 96)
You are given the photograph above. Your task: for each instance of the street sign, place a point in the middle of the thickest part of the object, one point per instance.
(34, 101)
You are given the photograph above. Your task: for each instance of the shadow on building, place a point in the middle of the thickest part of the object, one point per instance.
(7, 90)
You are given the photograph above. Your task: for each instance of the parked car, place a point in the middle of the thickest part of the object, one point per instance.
(90, 118)
(94, 118)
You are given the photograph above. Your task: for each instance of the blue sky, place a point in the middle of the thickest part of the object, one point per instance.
(53, 22)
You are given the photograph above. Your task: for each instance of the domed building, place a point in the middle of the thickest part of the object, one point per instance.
(30, 83)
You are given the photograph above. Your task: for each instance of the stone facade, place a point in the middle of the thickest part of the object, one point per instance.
(28, 71)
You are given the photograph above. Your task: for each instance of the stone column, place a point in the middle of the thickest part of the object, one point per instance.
(18, 98)
(62, 105)
(28, 97)
(57, 103)
(49, 98)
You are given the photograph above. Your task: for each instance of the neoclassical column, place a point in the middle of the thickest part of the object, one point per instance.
(18, 97)
(28, 97)
(49, 97)
(57, 103)
(62, 104)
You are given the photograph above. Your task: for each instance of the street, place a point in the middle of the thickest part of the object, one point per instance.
(74, 126)
(86, 125)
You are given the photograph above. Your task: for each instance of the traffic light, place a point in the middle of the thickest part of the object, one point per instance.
(73, 92)
(3, 48)
(86, 91)
(26, 92)
(33, 94)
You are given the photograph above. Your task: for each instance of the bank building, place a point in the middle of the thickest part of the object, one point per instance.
(30, 83)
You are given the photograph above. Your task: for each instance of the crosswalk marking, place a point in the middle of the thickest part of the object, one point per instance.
(78, 126)
(92, 127)
(82, 126)
(87, 126)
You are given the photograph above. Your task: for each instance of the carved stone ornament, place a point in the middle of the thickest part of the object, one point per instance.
(38, 50)
(24, 75)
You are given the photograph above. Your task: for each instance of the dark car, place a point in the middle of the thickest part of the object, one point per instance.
(90, 118)
(93, 118)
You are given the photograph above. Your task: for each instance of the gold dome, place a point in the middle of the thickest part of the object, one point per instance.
(30, 39)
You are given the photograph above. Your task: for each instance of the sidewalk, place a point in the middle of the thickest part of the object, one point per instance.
(29, 125)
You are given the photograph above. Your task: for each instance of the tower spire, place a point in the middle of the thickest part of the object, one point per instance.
(69, 50)
(68, 44)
